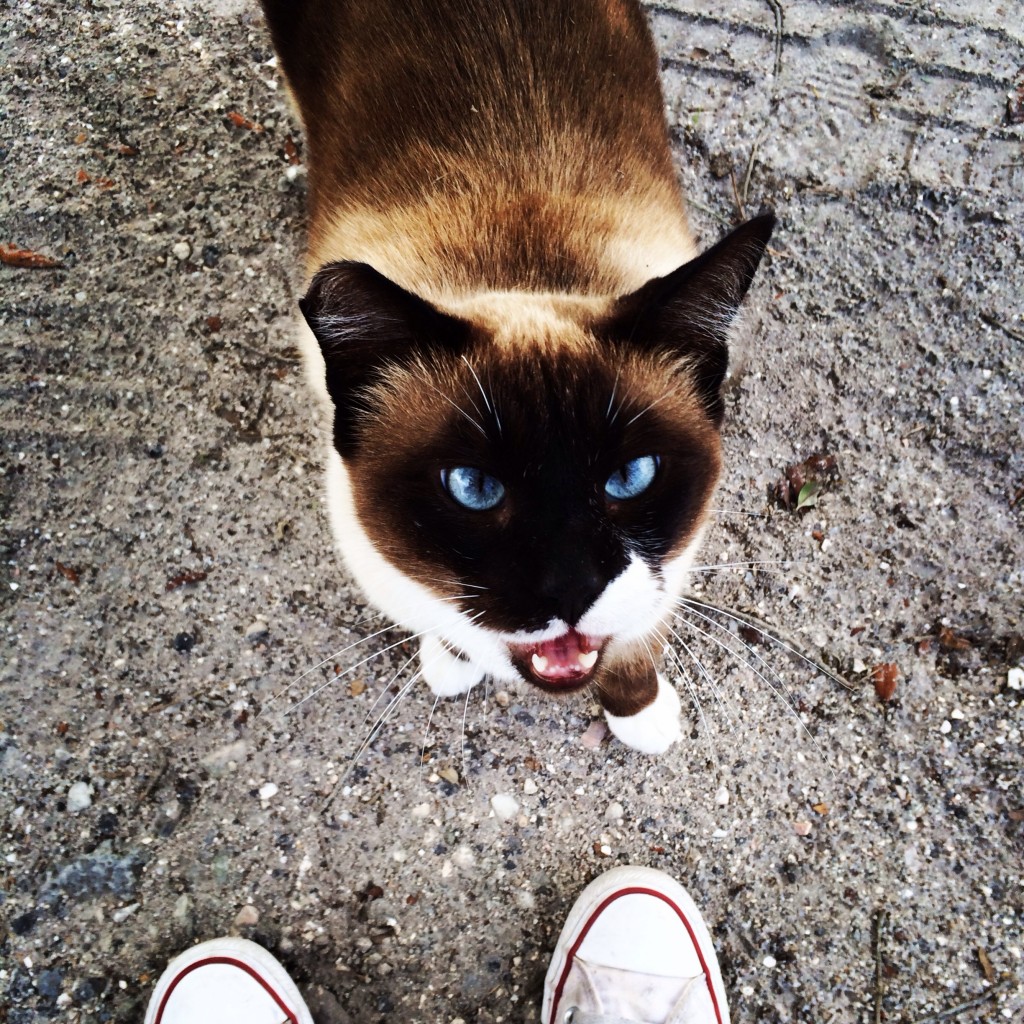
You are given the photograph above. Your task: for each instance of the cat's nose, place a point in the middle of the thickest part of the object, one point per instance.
(568, 594)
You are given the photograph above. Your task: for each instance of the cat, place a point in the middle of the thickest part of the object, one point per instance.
(519, 351)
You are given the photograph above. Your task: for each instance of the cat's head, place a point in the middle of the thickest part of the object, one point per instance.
(527, 476)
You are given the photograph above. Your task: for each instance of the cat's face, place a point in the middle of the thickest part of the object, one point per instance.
(524, 477)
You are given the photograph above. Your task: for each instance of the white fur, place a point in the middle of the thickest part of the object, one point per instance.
(654, 729)
(446, 674)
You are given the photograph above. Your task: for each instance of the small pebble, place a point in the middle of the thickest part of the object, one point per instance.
(123, 913)
(769, 961)
(502, 698)
(257, 631)
(247, 917)
(529, 787)
(79, 796)
(268, 790)
(504, 806)
(614, 811)
(181, 251)
(183, 908)
(1015, 679)
(945, 727)
(449, 775)
(722, 796)
(595, 733)
(802, 828)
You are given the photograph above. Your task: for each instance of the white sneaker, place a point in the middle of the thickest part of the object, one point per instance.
(634, 949)
(226, 981)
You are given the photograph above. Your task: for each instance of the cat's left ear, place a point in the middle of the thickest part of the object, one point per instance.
(691, 311)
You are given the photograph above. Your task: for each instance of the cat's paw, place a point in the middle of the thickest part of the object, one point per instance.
(446, 674)
(653, 729)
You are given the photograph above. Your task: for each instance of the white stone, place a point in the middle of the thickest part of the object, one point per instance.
(79, 796)
(529, 787)
(1015, 679)
(181, 251)
(504, 806)
(722, 796)
(614, 811)
(268, 790)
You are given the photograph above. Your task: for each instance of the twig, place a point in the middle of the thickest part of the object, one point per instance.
(740, 206)
(154, 779)
(993, 322)
(878, 926)
(707, 209)
(971, 1004)
(777, 11)
(750, 169)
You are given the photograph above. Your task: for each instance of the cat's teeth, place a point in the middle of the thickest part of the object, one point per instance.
(540, 664)
(587, 661)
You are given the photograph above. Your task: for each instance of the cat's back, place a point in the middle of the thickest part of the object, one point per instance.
(503, 126)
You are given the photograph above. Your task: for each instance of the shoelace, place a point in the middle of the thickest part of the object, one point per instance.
(574, 1015)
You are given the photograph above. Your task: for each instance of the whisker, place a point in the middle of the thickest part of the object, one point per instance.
(767, 631)
(426, 731)
(704, 672)
(337, 654)
(352, 668)
(458, 408)
(382, 718)
(657, 401)
(465, 711)
(611, 401)
(454, 583)
(387, 686)
(483, 394)
(754, 562)
(738, 512)
(785, 696)
(693, 698)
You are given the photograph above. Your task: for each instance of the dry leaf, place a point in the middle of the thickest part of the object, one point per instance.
(14, 256)
(820, 808)
(949, 641)
(356, 687)
(241, 121)
(986, 965)
(884, 677)
(184, 578)
(67, 571)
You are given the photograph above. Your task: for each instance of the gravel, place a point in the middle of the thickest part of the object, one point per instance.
(160, 505)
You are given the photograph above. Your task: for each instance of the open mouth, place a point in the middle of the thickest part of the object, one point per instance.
(564, 663)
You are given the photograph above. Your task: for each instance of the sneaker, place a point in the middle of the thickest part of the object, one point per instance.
(634, 949)
(226, 981)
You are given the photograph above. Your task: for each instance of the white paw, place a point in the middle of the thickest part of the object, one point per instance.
(446, 674)
(655, 728)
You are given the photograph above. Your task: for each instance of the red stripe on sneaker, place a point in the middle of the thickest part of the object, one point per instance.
(251, 971)
(632, 891)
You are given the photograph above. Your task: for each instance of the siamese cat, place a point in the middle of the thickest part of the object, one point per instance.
(519, 349)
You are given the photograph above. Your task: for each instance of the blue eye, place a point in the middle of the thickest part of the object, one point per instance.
(632, 479)
(473, 488)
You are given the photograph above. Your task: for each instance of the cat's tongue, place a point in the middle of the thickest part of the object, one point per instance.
(565, 659)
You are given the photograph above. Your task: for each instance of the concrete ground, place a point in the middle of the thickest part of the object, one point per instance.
(169, 598)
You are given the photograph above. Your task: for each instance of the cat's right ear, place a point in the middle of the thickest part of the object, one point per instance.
(364, 323)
